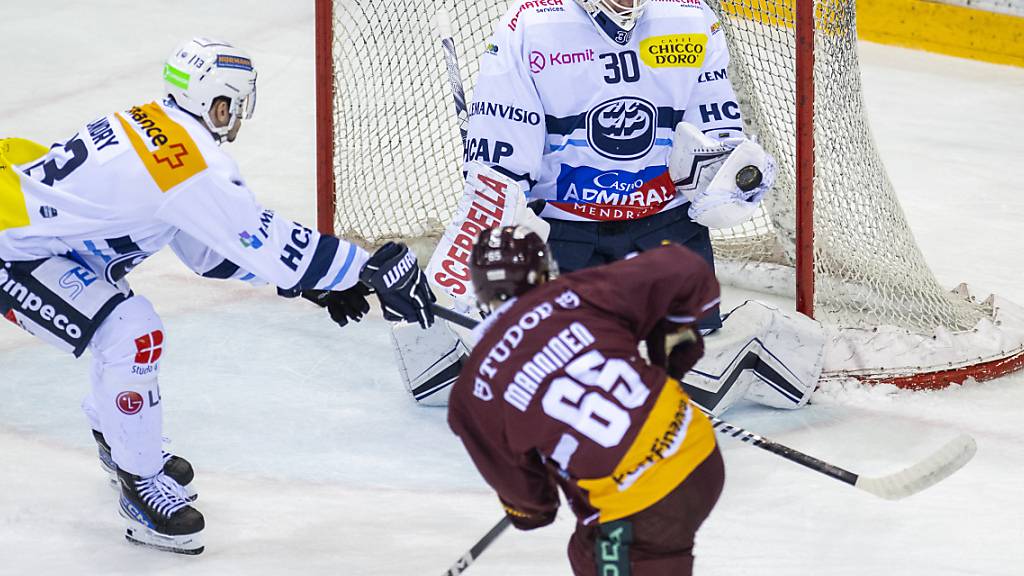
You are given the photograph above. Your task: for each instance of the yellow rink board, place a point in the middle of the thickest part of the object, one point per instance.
(943, 28)
(921, 24)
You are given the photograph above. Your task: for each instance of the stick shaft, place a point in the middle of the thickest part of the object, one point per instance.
(451, 60)
(469, 557)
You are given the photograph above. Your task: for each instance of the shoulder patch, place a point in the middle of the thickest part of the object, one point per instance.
(165, 147)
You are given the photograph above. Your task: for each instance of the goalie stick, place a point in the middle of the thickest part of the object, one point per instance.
(911, 480)
(469, 557)
(443, 23)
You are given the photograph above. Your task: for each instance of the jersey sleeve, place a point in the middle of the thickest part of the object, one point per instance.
(713, 106)
(206, 262)
(668, 282)
(506, 118)
(217, 210)
(521, 481)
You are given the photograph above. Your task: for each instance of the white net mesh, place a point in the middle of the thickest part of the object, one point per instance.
(398, 155)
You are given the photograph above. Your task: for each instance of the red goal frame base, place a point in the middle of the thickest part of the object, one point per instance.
(941, 379)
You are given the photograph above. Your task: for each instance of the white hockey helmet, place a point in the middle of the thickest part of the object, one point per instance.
(623, 13)
(200, 70)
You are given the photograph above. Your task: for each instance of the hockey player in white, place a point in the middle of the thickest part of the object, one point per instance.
(77, 217)
(620, 116)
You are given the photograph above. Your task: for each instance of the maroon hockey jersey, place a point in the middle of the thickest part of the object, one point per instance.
(556, 392)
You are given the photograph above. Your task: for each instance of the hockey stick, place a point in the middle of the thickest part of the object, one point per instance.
(906, 482)
(443, 23)
(469, 557)
(913, 479)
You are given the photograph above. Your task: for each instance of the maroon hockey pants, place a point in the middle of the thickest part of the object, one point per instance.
(657, 541)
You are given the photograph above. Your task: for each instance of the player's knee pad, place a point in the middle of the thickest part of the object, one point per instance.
(130, 340)
(127, 349)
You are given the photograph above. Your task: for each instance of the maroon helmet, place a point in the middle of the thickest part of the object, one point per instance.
(507, 262)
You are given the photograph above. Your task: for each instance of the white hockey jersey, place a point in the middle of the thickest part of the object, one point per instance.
(584, 118)
(129, 183)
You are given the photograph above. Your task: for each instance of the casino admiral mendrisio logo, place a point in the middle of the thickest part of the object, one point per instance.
(622, 128)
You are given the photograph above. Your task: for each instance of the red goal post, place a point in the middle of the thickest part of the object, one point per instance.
(831, 234)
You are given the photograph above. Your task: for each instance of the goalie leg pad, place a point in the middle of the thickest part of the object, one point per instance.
(760, 354)
(428, 360)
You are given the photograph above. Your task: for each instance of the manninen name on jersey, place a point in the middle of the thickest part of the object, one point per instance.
(615, 194)
(506, 112)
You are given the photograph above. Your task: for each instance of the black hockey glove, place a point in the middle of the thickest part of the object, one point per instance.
(344, 305)
(393, 273)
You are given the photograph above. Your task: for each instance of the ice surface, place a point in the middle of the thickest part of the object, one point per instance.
(313, 460)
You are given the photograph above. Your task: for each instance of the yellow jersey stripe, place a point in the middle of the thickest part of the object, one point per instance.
(673, 441)
(14, 152)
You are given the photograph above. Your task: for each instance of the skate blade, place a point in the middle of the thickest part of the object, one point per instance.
(190, 544)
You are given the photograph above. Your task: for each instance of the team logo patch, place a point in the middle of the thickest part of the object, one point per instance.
(250, 241)
(674, 50)
(149, 347)
(76, 280)
(130, 402)
(622, 128)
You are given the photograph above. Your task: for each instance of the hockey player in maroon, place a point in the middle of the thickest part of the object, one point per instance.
(556, 393)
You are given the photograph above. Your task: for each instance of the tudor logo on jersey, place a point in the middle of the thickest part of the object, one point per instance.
(622, 128)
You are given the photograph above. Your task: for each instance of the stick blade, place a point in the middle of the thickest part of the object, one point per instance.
(928, 472)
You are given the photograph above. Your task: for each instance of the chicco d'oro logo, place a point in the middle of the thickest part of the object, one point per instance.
(130, 402)
(622, 128)
(674, 51)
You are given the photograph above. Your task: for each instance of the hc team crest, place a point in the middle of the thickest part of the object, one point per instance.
(622, 128)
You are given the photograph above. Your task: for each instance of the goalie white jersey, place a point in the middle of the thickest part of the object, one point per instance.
(132, 182)
(585, 118)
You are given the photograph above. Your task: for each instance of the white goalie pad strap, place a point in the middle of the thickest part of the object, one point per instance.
(428, 360)
(723, 204)
(489, 200)
(760, 354)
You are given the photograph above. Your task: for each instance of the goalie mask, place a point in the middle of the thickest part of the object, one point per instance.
(201, 70)
(622, 13)
(508, 262)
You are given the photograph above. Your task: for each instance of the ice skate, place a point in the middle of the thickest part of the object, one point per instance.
(158, 516)
(176, 467)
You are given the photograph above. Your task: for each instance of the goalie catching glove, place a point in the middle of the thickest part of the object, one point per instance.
(394, 274)
(704, 170)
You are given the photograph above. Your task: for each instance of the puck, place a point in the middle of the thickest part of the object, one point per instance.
(748, 178)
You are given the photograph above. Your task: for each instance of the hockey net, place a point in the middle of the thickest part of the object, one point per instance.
(391, 169)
